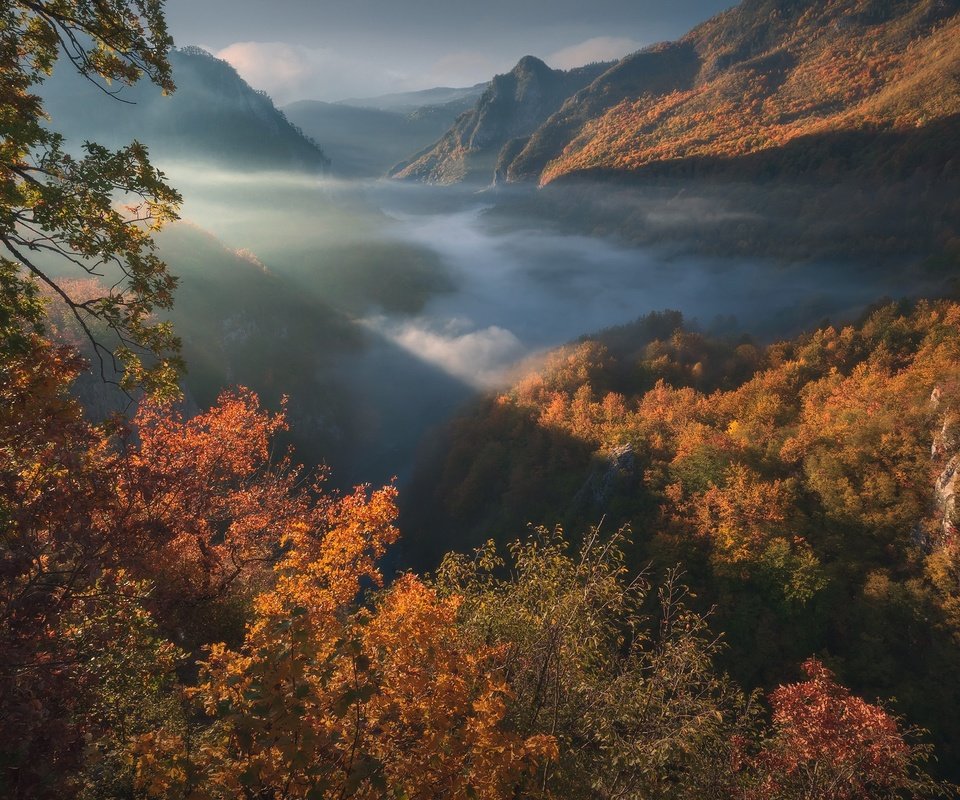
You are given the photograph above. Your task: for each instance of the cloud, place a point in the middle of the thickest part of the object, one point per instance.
(479, 358)
(600, 48)
(289, 72)
(464, 68)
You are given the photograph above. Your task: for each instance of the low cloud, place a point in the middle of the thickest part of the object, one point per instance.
(600, 48)
(479, 358)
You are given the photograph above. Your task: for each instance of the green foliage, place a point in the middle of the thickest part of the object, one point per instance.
(94, 213)
(794, 572)
(21, 311)
(125, 681)
(626, 685)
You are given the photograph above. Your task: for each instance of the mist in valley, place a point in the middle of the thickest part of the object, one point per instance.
(397, 304)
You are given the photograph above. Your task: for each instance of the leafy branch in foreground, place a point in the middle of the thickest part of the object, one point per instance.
(94, 212)
(622, 679)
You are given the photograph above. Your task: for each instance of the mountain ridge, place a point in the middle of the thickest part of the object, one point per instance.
(748, 81)
(767, 73)
(512, 107)
(410, 101)
(214, 116)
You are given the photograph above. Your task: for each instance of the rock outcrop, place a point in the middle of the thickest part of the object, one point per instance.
(945, 452)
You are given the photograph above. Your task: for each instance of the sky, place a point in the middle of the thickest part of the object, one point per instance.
(336, 49)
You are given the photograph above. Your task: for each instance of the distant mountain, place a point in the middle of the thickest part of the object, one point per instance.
(214, 116)
(802, 86)
(512, 107)
(367, 141)
(406, 102)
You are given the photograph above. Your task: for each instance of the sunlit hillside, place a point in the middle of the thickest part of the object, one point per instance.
(768, 74)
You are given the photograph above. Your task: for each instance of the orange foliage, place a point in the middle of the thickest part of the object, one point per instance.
(817, 76)
(743, 515)
(322, 702)
(207, 504)
(49, 501)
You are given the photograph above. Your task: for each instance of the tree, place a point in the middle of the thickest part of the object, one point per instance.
(828, 744)
(92, 212)
(327, 700)
(627, 687)
(82, 664)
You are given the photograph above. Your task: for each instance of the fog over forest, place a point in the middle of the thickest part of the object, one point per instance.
(382, 307)
(447, 301)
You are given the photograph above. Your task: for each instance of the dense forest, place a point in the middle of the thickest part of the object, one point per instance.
(742, 579)
(808, 487)
(185, 616)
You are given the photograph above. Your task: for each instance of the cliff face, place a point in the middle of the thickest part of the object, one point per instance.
(770, 83)
(945, 453)
(657, 70)
(513, 106)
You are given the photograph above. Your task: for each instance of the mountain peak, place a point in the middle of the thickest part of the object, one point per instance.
(531, 64)
(513, 106)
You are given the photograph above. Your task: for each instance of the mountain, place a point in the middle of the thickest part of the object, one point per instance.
(512, 107)
(214, 116)
(406, 102)
(798, 85)
(364, 141)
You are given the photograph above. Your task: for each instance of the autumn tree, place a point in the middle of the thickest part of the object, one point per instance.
(81, 662)
(827, 743)
(206, 502)
(325, 700)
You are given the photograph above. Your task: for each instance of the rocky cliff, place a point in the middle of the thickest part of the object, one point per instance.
(513, 106)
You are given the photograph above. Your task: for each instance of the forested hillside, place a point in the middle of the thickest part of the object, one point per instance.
(808, 487)
(840, 87)
(797, 86)
(184, 614)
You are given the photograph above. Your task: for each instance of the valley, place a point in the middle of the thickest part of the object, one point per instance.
(573, 422)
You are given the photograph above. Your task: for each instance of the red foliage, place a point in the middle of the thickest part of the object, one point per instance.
(829, 744)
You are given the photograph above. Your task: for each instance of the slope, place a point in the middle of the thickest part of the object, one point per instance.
(512, 107)
(214, 117)
(764, 75)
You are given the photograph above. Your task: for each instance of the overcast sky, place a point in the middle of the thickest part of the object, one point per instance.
(333, 49)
